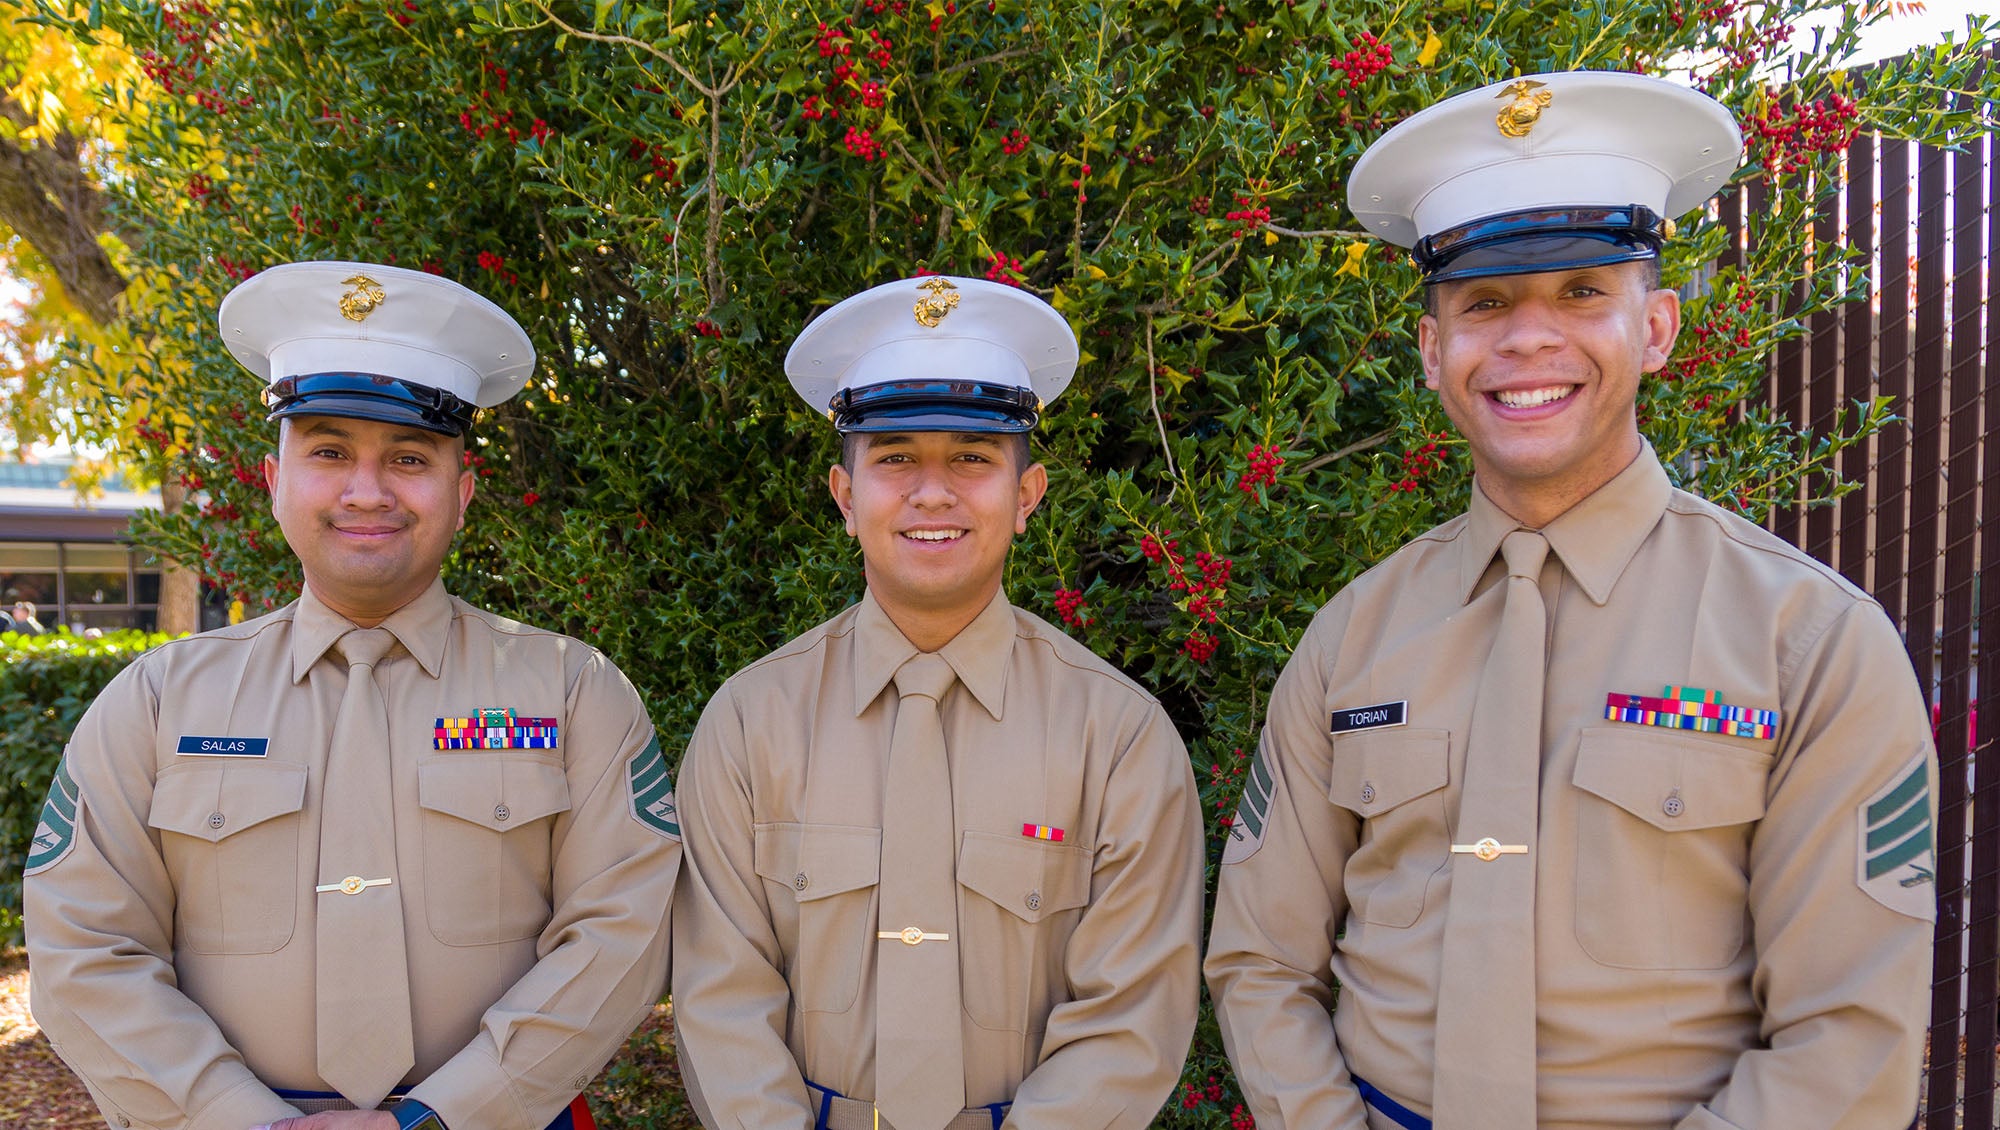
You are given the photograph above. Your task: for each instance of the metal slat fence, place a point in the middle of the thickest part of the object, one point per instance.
(1923, 531)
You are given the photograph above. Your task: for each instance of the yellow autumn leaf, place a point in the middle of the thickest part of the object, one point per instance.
(936, 9)
(1356, 252)
(1270, 237)
(236, 612)
(1432, 45)
(1093, 270)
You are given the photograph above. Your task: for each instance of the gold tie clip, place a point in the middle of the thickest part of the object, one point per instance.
(912, 936)
(352, 885)
(1489, 849)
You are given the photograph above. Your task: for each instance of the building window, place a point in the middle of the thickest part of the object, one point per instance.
(82, 585)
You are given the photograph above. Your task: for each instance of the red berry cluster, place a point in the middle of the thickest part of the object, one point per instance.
(1703, 11)
(1748, 44)
(846, 80)
(192, 27)
(1082, 173)
(1226, 784)
(663, 166)
(1193, 1096)
(1718, 338)
(147, 433)
(1250, 215)
(1014, 141)
(1199, 646)
(1369, 58)
(476, 464)
(530, 498)
(1785, 142)
(220, 104)
(233, 268)
(1264, 464)
(706, 328)
(1005, 269)
(495, 263)
(404, 13)
(862, 143)
(1206, 593)
(198, 188)
(1419, 462)
(1070, 607)
(1199, 205)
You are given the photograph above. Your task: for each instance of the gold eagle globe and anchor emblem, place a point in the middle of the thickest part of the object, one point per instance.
(942, 300)
(1518, 117)
(360, 302)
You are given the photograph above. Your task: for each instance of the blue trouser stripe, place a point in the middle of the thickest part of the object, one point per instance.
(563, 1121)
(1398, 1113)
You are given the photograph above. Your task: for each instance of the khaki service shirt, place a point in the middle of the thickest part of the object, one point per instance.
(1078, 958)
(171, 941)
(1730, 931)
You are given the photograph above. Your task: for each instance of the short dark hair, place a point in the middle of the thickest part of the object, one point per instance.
(1016, 444)
(1651, 274)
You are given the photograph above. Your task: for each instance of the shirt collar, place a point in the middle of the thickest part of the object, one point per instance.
(978, 654)
(1595, 539)
(419, 626)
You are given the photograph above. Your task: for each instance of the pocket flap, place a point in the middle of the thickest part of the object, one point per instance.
(1672, 780)
(213, 802)
(1376, 770)
(497, 793)
(1031, 878)
(819, 860)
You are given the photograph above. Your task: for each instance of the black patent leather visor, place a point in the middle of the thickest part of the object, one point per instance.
(1541, 239)
(368, 396)
(935, 406)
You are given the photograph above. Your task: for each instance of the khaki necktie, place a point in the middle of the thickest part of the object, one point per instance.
(919, 1053)
(364, 980)
(1485, 1075)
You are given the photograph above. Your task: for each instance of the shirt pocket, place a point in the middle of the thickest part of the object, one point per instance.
(820, 882)
(1663, 847)
(488, 826)
(1394, 780)
(1018, 903)
(231, 847)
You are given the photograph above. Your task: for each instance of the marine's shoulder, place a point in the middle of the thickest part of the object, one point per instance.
(1069, 660)
(808, 647)
(276, 624)
(1689, 514)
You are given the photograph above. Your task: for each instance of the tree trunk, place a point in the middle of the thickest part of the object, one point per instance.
(47, 198)
(180, 587)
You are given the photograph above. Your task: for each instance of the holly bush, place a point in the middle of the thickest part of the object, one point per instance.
(665, 193)
(46, 683)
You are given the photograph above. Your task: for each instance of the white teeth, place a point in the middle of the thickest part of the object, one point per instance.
(1532, 397)
(934, 535)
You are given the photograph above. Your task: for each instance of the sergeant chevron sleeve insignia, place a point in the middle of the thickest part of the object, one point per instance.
(653, 791)
(1895, 861)
(1246, 828)
(55, 835)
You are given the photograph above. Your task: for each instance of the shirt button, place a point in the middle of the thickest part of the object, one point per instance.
(799, 881)
(500, 813)
(1367, 793)
(1034, 900)
(1672, 806)
(215, 820)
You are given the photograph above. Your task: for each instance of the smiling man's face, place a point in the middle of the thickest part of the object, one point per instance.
(1541, 374)
(935, 513)
(369, 508)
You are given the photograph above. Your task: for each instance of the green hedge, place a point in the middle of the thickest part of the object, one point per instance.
(46, 682)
